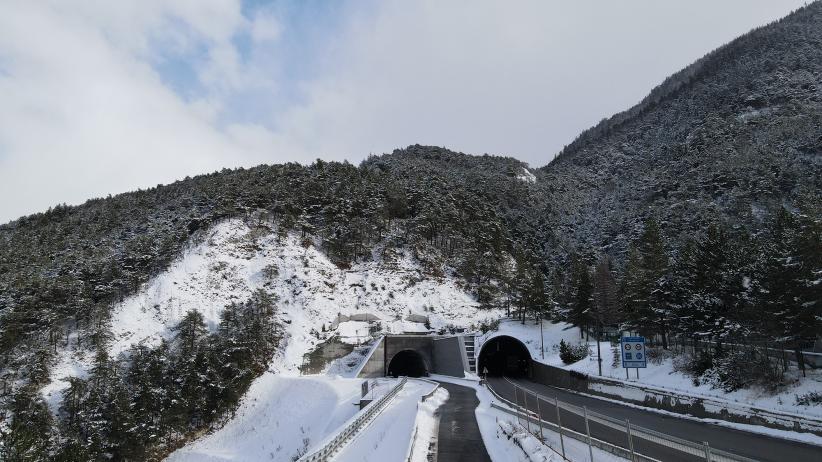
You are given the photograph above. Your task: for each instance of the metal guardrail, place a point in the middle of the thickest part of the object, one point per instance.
(699, 451)
(523, 413)
(353, 427)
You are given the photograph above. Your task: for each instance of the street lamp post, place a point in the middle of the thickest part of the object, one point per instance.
(542, 338)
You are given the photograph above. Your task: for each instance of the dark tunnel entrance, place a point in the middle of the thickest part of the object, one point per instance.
(407, 363)
(504, 355)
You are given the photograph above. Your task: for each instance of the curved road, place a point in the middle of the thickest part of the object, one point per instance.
(459, 437)
(752, 445)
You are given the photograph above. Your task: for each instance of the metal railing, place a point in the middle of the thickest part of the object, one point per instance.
(353, 427)
(698, 451)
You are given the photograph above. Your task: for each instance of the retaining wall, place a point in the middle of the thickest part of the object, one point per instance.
(375, 363)
(671, 401)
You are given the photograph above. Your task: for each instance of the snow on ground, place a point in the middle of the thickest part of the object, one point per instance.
(531, 447)
(502, 448)
(387, 438)
(656, 376)
(232, 260)
(663, 376)
(427, 425)
(353, 332)
(526, 176)
(279, 418)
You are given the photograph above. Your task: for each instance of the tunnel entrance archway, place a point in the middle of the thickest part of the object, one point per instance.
(407, 363)
(504, 355)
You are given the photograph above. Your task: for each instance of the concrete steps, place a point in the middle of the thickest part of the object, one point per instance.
(470, 354)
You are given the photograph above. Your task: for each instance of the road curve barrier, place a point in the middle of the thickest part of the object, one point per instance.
(697, 451)
(349, 430)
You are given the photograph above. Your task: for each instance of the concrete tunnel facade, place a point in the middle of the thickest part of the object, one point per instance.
(504, 355)
(421, 355)
(416, 356)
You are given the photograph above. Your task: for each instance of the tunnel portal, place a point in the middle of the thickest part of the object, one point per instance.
(504, 355)
(407, 363)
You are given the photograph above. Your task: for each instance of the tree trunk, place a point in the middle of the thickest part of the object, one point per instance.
(599, 352)
(800, 359)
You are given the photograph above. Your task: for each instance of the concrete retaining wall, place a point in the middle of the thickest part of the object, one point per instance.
(441, 355)
(671, 401)
(375, 363)
(448, 357)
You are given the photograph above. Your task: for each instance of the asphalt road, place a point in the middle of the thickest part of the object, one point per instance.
(459, 437)
(751, 445)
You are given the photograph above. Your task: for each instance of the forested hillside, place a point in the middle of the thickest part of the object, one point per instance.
(62, 271)
(731, 138)
(694, 215)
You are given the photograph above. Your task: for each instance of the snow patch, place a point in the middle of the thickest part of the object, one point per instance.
(427, 425)
(234, 259)
(278, 419)
(526, 176)
(388, 437)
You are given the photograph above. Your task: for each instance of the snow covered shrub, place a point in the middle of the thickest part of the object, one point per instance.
(656, 355)
(730, 372)
(694, 365)
(271, 272)
(812, 398)
(572, 353)
(616, 353)
(486, 326)
(765, 371)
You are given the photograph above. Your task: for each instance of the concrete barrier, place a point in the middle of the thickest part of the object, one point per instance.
(680, 403)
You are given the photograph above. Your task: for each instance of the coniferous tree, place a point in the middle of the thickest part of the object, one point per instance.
(582, 299)
(632, 294)
(605, 301)
(27, 437)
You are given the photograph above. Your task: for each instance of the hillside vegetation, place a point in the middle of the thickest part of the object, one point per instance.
(693, 218)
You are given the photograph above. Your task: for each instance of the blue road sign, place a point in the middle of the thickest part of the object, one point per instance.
(633, 352)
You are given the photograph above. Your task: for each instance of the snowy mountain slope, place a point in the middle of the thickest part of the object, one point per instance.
(279, 418)
(388, 437)
(235, 259)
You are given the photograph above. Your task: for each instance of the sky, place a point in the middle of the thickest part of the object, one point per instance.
(101, 97)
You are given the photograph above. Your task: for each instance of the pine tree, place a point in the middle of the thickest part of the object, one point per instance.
(655, 274)
(633, 293)
(582, 299)
(27, 438)
(191, 363)
(789, 289)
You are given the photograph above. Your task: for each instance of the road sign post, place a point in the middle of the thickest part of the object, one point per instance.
(633, 354)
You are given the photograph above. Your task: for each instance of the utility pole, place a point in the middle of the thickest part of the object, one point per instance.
(599, 352)
(542, 342)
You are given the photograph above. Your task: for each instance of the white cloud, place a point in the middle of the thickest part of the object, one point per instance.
(265, 27)
(517, 78)
(85, 112)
